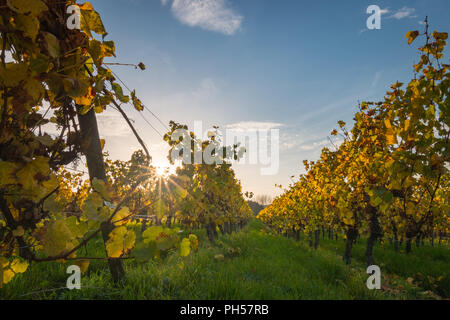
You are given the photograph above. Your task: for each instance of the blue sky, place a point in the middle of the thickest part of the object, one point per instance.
(296, 65)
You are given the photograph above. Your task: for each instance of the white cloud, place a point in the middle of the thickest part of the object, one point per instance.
(253, 125)
(314, 145)
(207, 88)
(112, 124)
(404, 12)
(213, 15)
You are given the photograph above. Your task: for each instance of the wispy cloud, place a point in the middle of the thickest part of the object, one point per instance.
(314, 145)
(253, 125)
(207, 88)
(376, 78)
(212, 15)
(403, 13)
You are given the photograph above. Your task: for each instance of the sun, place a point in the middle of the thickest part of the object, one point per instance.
(162, 171)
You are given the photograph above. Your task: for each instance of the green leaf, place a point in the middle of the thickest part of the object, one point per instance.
(119, 93)
(40, 63)
(151, 233)
(52, 205)
(100, 186)
(387, 197)
(46, 140)
(52, 44)
(144, 252)
(165, 243)
(78, 229)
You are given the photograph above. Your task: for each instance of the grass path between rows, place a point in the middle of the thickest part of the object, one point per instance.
(250, 264)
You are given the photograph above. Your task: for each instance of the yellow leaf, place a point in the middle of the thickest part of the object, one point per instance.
(219, 257)
(18, 232)
(194, 242)
(411, 36)
(41, 165)
(387, 123)
(121, 217)
(440, 35)
(29, 25)
(87, 99)
(8, 274)
(57, 238)
(83, 264)
(120, 242)
(391, 138)
(4, 262)
(395, 185)
(407, 124)
(86, 6)
(91, 21)
(185, 247)
(6, 173)
(19, 266)
(13, 73)
(35, 7)
(436, 160)
(409, 181)
(26, 175)
(410, 208)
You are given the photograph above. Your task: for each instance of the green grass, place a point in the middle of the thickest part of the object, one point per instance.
(267, 267)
